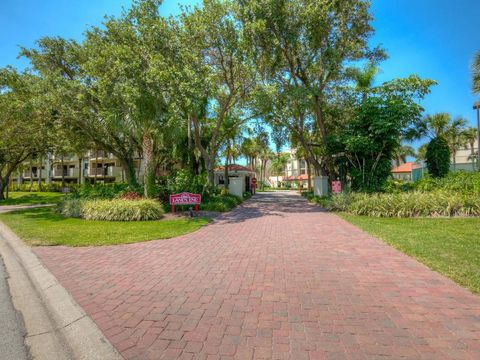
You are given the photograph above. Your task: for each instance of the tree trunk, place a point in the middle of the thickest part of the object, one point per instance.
(63, 173)
(95, 169)
(31, 175)
(149, 166)
(208, 156)
(130, 172)
(210, 170)
(40, 174)
(3, 186)
(79, 179)
(309, 178)
(227, 180)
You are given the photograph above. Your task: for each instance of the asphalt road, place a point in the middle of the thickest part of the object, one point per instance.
(12, 329)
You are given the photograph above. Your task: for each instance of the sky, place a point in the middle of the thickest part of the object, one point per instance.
(434, 39)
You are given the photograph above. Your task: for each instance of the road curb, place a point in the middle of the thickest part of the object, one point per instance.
(57, 327)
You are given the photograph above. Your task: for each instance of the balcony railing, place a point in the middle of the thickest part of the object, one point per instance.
(110, 171)
(73, 172)
(100, 154)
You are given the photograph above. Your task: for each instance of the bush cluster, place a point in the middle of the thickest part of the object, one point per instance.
(103, 191)
(113, 210)
(438, 157)
(408, 204)
(220, 203)
(459, 181)
(47, 187)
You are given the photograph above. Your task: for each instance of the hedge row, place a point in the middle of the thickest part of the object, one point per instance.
(408, 204)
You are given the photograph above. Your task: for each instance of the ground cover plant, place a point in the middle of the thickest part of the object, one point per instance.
(113, 210)
(449, 245)
(456, 195)
(45, 226)
(409, 204)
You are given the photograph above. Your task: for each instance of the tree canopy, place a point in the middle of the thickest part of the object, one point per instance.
(224, 79)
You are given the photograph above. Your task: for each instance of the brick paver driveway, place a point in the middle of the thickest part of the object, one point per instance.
(275, 279)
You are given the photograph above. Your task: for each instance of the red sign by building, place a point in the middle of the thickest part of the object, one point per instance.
(336, 187)
(185, 198)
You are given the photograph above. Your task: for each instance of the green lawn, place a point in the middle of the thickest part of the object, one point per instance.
(450, 246)
(30, 198)
(43, 226)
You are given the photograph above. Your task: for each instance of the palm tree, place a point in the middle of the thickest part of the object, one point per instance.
(421, 153)
(364, 79)
(476, 74)
(455, 137)
(232, 130)
(278, 164)
(435, 125)
(470, 135)
(264, 155)
(402, 152)
(442, 125)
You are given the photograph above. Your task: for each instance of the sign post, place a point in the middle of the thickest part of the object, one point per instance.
(336, 187)
(185, 198)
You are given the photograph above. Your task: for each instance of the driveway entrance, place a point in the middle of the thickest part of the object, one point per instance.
(277, 278)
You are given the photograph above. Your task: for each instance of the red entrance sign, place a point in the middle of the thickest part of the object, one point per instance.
(336, 187)
(185, 198)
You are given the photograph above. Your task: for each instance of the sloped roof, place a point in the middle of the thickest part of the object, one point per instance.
(405, 168)
(294, 178)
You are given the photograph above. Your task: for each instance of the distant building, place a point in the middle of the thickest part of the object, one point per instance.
(239, 176)
(408, 171)
(295, 173)
(464, 159)
(93, 166)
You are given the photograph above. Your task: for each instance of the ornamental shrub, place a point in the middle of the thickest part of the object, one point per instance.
(103, 191)
(72, 208)
(220, 203)
(458, 181)
(113, 210)
(438, 157)
(46, 187)
(122, 210)
(408, 204)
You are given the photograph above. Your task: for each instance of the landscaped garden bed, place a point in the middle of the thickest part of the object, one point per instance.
(457, 195)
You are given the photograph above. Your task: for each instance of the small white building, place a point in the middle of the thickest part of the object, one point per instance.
(465, 158)
(240, 178)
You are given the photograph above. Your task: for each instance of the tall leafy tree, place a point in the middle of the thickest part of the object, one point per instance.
(438, 157)
(303, 48)
(218, 57)
(132, 60)
(374, 133)
(442, 125)
(23, 122)
(78, 107)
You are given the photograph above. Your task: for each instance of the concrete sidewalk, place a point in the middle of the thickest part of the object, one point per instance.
(276, 278)
(56, 327)
(12, 330)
